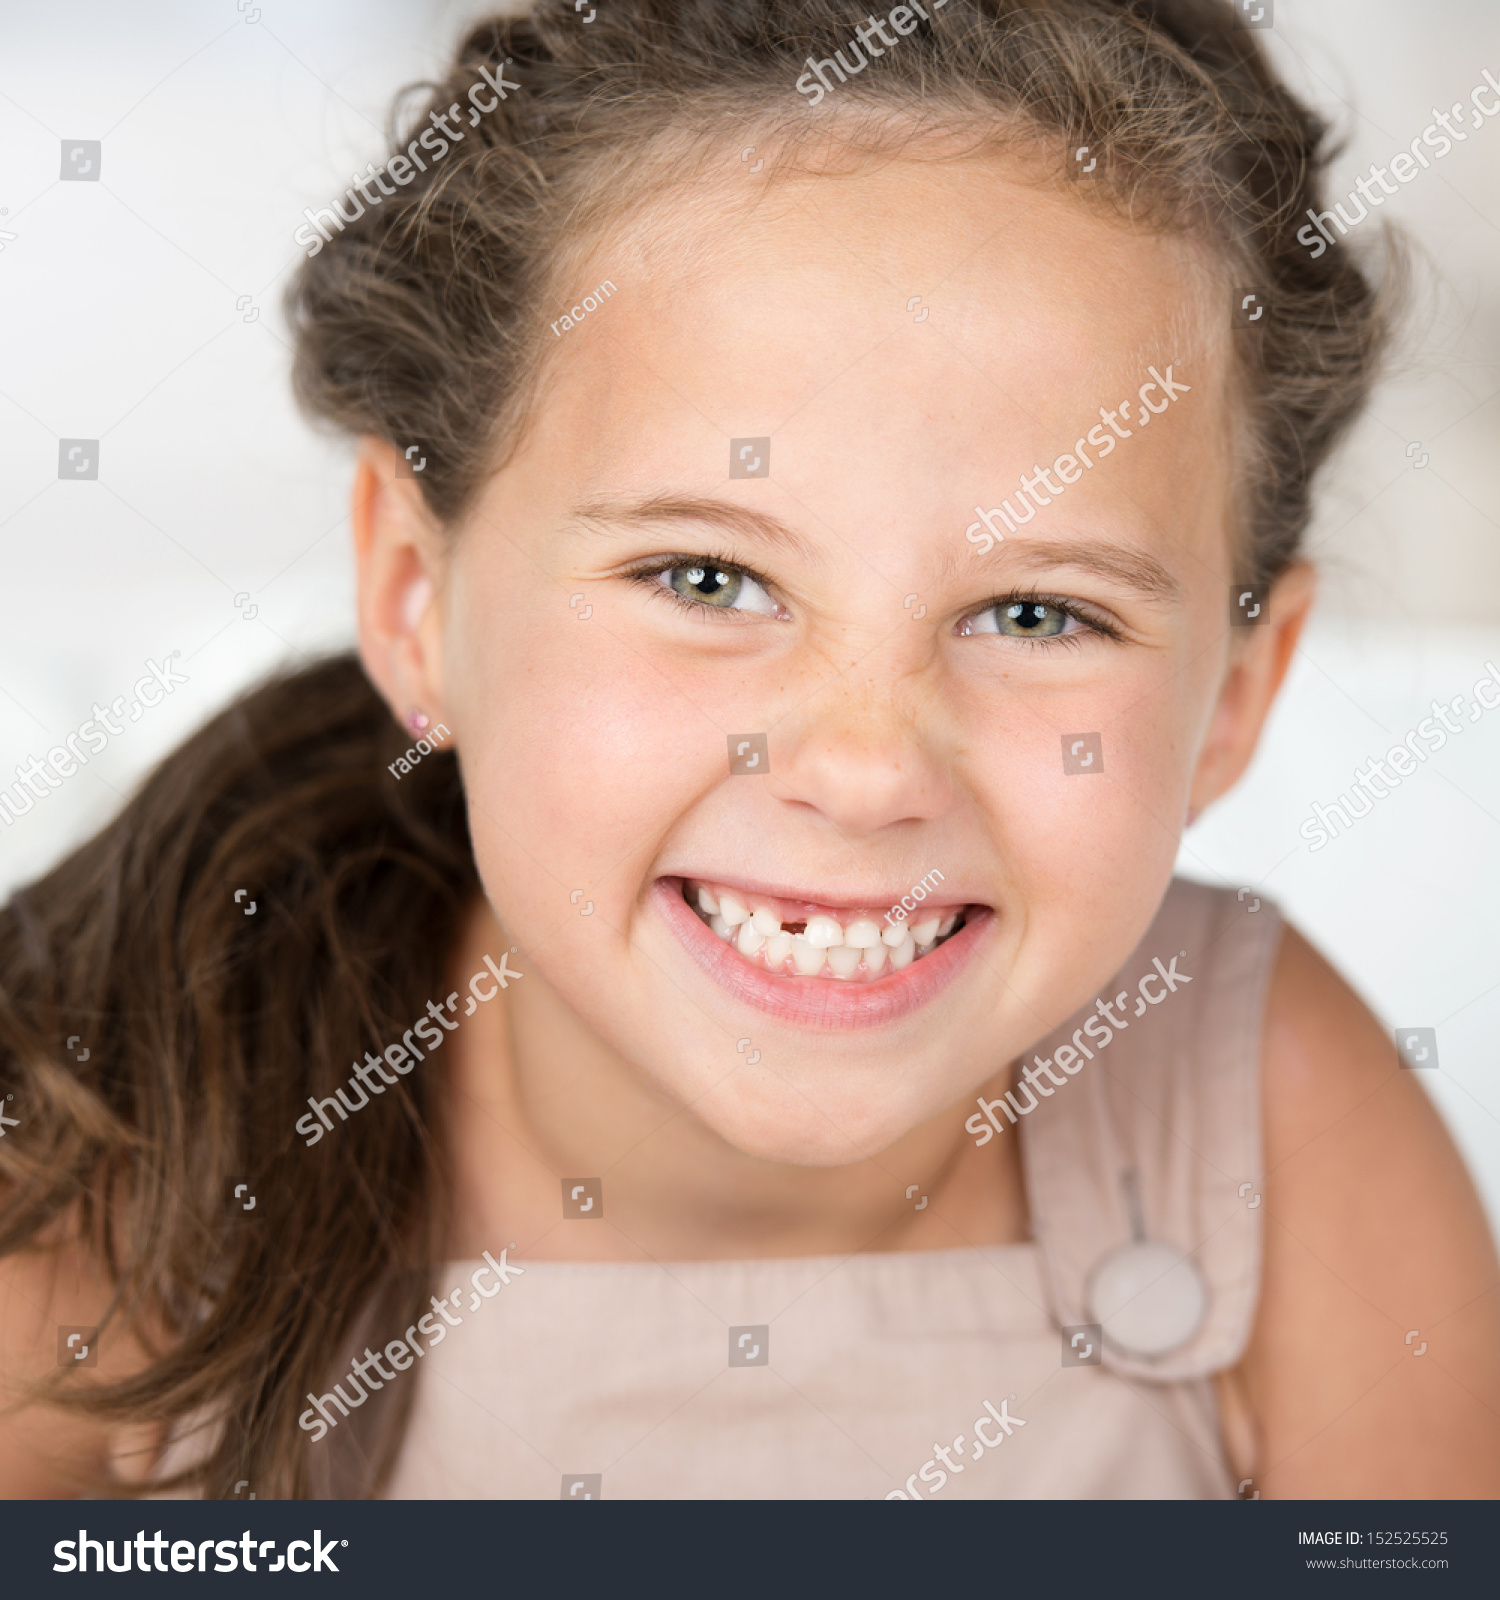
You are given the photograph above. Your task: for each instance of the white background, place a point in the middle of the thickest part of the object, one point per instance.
(120, 319)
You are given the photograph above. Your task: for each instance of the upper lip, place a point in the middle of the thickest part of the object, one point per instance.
(843, 901)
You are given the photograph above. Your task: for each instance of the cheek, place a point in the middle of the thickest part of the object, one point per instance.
(1088, 758)
(577, 758)
(1087, 801)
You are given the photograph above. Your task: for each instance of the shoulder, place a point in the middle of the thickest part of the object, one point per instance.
(47, 1450)
(1375, 1245)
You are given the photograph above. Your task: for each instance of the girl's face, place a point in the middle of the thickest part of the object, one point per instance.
(642, 602)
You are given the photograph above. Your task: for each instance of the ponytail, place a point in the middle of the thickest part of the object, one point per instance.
(270, 906)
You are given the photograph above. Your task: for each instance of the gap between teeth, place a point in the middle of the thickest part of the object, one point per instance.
(824, 945)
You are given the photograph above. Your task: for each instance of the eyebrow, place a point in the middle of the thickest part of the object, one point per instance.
(1132, 568)
(667, 510)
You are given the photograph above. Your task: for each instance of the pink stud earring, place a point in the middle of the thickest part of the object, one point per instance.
(416, 721)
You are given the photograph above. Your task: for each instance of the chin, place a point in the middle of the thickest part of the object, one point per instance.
(774, 1120)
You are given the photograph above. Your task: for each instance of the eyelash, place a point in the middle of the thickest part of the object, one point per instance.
(1090, 620)
(699, 558)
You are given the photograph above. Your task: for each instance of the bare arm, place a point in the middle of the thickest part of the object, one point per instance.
(47, 1452)
(1373, 1230)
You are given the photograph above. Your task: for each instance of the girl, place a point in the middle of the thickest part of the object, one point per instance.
(718, 1016)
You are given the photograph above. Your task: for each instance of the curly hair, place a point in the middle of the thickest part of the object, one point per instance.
(419, 320)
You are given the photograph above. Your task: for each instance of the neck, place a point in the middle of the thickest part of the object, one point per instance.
(533, 1096)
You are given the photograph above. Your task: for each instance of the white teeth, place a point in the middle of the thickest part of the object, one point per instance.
(733, 911)
(823, 932)
(843, 961)
(857, 950)
(807, 957)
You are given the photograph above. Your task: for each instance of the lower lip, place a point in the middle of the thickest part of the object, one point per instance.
(824, 1004)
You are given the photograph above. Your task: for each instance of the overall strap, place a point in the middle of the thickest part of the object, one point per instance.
(1155, 1134)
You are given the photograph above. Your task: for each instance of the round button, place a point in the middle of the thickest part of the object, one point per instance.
(1149, 1297)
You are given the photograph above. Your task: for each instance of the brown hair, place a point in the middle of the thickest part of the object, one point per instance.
(206, 1030)
(420, 322)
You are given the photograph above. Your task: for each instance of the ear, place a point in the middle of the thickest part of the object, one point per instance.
(398, 554)
(1258, 661)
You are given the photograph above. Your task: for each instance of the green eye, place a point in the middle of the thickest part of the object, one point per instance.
(700, 584)
(1029, 619)
(711, 586)
(1026, 617)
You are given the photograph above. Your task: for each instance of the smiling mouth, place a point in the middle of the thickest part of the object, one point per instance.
(799, 939)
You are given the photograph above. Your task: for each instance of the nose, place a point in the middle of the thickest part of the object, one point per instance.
(864, 759)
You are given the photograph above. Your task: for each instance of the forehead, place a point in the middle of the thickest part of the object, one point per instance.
(957, 316)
